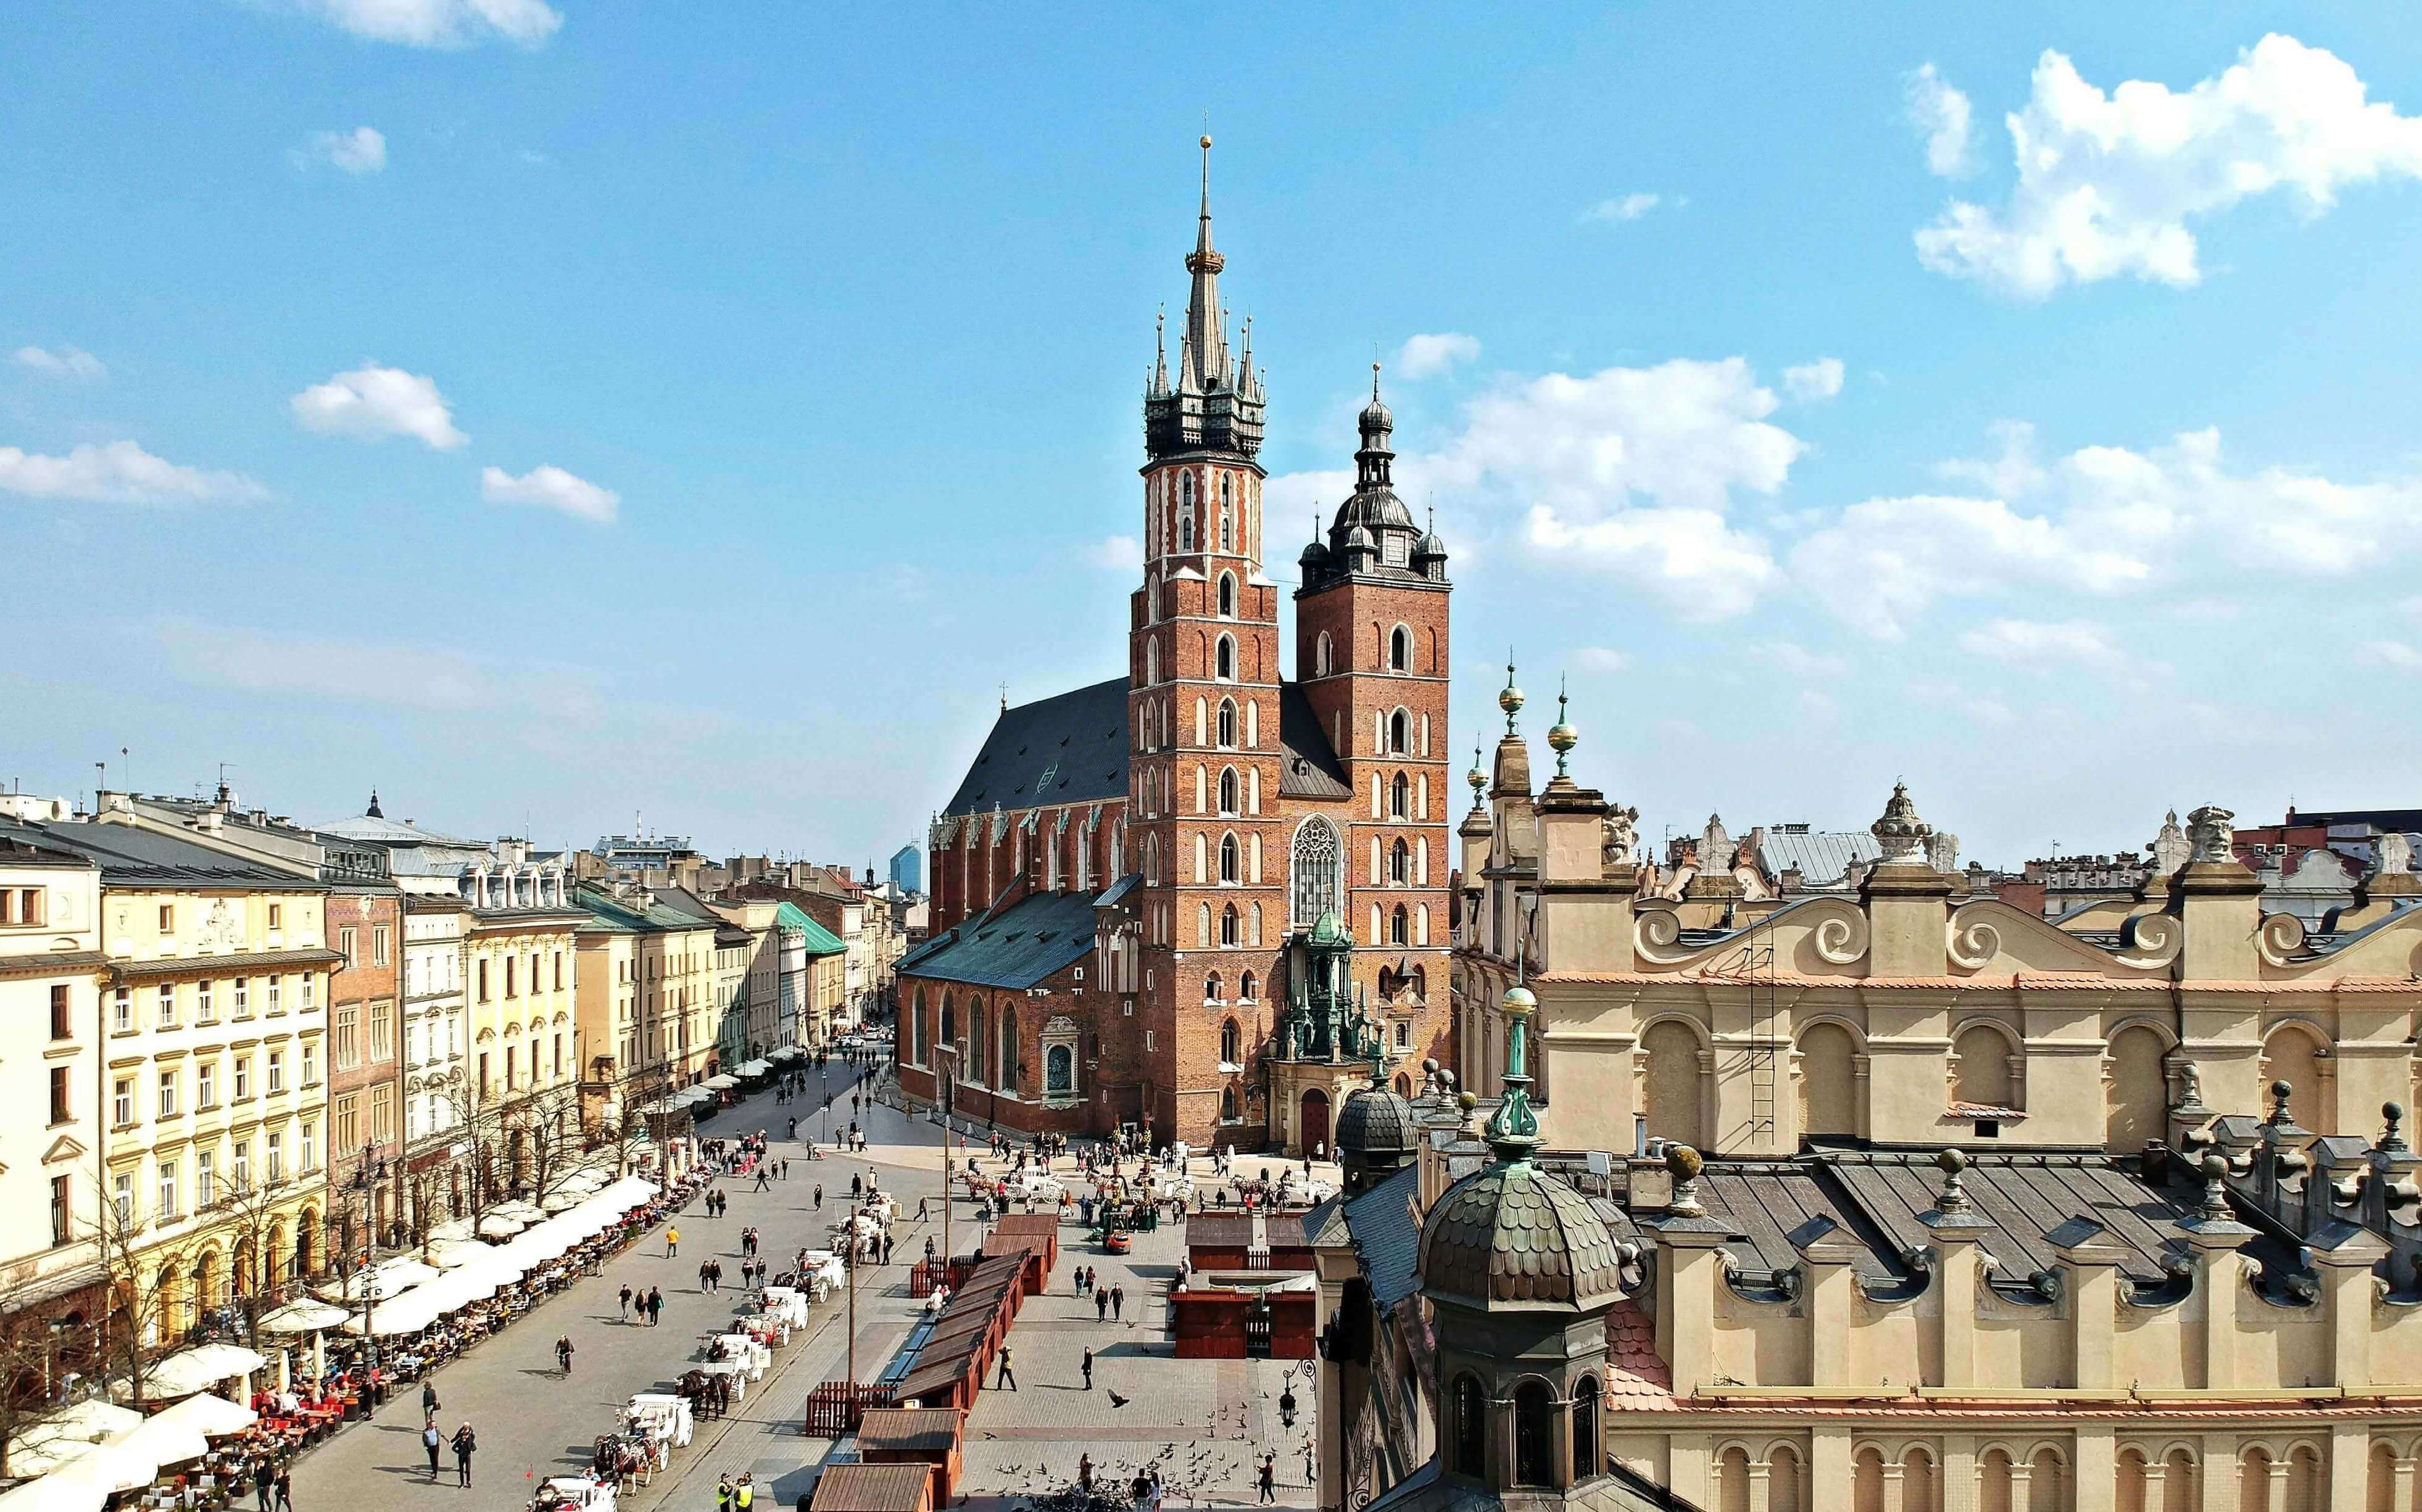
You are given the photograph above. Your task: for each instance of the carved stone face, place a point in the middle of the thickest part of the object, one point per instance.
(2212, 830)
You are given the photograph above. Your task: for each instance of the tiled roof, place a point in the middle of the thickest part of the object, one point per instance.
(916, 1430)
(1637, 1378)
(1017, 948)
(1514, 1234)
(872, 1489)
(1311, 768)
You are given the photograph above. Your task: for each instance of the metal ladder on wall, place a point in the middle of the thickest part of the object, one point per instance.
(1753, 965)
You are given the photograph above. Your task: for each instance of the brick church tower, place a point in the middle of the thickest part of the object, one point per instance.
(1204, 709)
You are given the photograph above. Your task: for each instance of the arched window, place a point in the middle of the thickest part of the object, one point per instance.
(1185, 511)
(1245, 989)
(1227, 730)
(1400, 863)
(1399, 798)
(923, 1042)
(1533, 1407)
(1227, 595)
(1400, 733)
(1211, 988)
(1585, 1429)
(1228, 925)
(1059, 1071)
(1467, 1427)
(1320, 656)
(1228, 792)
(949, 1022)
(1202, 924)
(1312, 883)
(1400, 649)
(1227, 515)
(1150, 662)
(1232, 1044)
(1008, 1056)
(978, 1058)
(1400, 929)
(1226, 667)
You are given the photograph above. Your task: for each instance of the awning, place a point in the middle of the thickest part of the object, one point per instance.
(165, 1441)
(196, 1369)
(213, 1416)
(39, 1448)
(302, 1315)
(721, 1083)
(501, 1225)
(53, 1493)
(755, 1068)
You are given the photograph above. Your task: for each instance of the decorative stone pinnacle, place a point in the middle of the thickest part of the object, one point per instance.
(1683, 1164)
(1562, 737)
(2393, 1114)
(1900, 832)
(1953, 1198)
(2280, 1093)
(1478, 779)
(2215, 1190)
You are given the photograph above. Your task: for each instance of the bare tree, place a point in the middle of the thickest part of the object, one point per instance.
(254, 1218)
(144, 1278)
(543, 1140)
(39, 1349)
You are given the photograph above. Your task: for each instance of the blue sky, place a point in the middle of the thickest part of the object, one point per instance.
(547, 412)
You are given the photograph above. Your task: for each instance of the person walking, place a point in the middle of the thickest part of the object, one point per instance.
(672, 1243)
(465, 1444)
(786, 1168)
(1087, 1368)
(264, 1484)
(820, 1201)
(1269, 1475)
(1085, 1474)
(563, 1353)
(626, 1316)
(761, 1185)
(706, 1275)
(1101, 1305)
(428, 1401)
(284, 1490)
(655, 1305)
(431, 1441)
(1008, 1377)
(1118, 1300)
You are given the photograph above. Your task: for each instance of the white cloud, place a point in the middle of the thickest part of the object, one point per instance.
(1116, 553)
(435, 679)
(2390, 654)
(550, 488)
(1885, 561)
(2107, 182)
(1623, 208)
(1702, 567)
(120, 472)
(1601, 659)
(1941, 113)
(361, 150)
(67, 362)
(2013, 474)
(2040, 643)
(1819, 380)
(1435, 352)
(371, 402)
(440, 22)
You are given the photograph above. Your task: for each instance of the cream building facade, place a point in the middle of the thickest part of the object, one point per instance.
(51, 969)
(213, 1036)
(1912, 1199)
(437, 1043)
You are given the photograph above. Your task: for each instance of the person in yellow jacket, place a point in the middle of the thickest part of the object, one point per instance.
(744, 1493)
(673, 1242)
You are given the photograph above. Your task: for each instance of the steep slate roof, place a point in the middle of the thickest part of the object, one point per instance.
(1072, 748)
(1821, 855)
(1066, 749)
(1386, 1238)
(1017, 948)
(1312, 769)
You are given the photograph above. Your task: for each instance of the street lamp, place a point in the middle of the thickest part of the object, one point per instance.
(368, 1171)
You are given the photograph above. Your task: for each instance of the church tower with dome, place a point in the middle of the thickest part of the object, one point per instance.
(1195, 898)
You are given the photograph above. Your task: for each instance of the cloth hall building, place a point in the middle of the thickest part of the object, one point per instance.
(1189, 897)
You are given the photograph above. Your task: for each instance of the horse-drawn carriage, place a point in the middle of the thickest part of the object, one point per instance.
(576, 1493)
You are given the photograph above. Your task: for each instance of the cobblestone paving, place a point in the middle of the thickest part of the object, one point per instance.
(1205, 1421)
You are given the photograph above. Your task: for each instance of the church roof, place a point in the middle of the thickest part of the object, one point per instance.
(1072, 748)
(1017, 948)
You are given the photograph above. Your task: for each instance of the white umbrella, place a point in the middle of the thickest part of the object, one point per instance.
(517, 1209)
(560, 1202)
(499, 1225)
(54, 1493)
(165, 1441)
(302, 1315)
(386, 1280)
(755, 1068)
(196, 1369)
(210, 1415)
(720, 1084)
(114, 1466)
(67, 1433)
(454, 1256)
(453, 1230)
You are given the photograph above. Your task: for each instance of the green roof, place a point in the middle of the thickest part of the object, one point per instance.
(821, 940)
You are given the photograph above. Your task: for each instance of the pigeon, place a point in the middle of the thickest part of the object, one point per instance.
(1117, 1400)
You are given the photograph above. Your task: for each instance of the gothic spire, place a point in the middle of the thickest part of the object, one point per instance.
(1206, 362)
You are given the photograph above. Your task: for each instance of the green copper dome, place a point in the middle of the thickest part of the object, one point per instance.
(1515, 1234)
